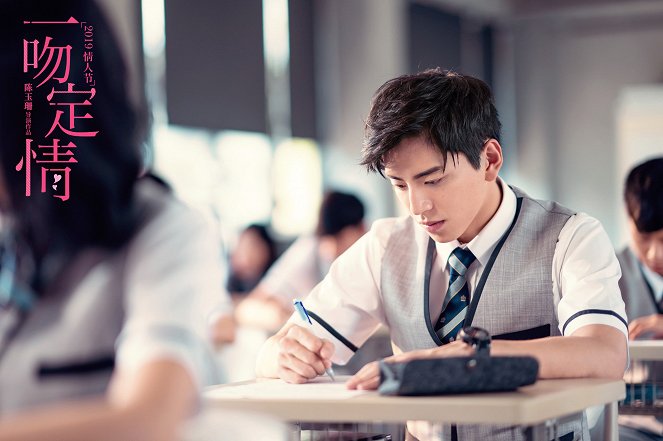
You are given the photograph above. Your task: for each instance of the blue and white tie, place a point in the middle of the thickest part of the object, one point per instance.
(458, 295)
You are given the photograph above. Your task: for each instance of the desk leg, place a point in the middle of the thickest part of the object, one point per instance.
(536, 433)
(610, 427)
(296, 432)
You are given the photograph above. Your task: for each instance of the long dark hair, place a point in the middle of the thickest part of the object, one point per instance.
(100, 209)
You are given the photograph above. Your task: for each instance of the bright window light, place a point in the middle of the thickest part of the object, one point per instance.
(297, 187)
(154, 27)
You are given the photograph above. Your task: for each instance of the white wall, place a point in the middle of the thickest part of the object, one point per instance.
(568, 72)
(639, 120)
(361, 44)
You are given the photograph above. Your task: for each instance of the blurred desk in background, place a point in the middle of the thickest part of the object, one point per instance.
(644, 379)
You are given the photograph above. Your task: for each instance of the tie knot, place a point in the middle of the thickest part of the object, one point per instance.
(460, 260)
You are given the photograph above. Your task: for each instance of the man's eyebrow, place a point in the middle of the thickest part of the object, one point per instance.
(419, 175)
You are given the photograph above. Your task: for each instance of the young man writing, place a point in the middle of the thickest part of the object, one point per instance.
(527, 270)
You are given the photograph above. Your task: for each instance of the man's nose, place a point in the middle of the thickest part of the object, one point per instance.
(419, 204)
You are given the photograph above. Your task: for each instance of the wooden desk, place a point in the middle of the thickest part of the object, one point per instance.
(649, 350)
(532, 406)
(644, 379)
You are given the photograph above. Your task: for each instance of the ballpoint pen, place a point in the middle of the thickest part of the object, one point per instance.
(299, 306)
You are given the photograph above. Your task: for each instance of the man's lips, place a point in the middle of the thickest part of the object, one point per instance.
(432, 227)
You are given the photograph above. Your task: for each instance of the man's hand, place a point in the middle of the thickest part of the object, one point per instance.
(368, 377)
(650, 324)
(302, 355)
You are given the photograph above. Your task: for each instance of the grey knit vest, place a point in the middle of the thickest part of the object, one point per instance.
(517, 299)
(636, 293)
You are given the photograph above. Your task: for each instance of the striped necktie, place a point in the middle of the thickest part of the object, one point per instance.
(458, 294)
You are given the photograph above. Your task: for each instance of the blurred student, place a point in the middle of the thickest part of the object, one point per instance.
(104, 296)
(250, 259)
(539, 277)
(642, 261)
(305, 262)
(642, 276)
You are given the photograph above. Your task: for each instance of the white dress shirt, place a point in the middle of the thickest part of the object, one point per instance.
(585, 272)
(296, 272)
(173, 288)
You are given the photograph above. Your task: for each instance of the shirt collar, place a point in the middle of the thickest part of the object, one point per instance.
(655, 281)
(484, 243)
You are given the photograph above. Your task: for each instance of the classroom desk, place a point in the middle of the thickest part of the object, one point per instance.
(644, 379)
(532, 407)
(646, 350)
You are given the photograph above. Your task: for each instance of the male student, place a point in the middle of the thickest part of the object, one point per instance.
(642, 275)
(642, 262)
(305, 263)
(540, 274)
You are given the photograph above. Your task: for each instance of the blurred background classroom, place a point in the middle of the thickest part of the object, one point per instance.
(258, 105)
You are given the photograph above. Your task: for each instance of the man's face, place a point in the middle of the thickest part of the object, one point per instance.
(452, 204)
(648, 247)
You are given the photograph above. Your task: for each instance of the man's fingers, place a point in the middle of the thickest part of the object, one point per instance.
(299, 367)
(290, 376)
(370, 383)
(368, 377)
(306, 338)
(327, 350)
(302, 355)
(293, 351)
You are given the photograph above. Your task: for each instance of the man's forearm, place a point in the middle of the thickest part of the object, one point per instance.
(585, 354)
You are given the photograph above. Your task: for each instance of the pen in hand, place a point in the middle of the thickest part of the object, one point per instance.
(299, 306)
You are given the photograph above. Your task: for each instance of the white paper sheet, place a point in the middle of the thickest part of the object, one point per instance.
(319, 388)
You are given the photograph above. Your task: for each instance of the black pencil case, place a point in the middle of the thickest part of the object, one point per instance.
(457, 375)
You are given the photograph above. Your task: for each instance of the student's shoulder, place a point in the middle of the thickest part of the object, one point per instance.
(387, 225)
(383, 230)
(581, 221)
(582, 231)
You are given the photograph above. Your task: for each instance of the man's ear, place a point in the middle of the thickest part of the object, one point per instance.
(492, 151)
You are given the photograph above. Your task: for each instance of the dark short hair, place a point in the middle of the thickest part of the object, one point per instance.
(339, 210)
(263, 233)
(643, 194)
(454, 112)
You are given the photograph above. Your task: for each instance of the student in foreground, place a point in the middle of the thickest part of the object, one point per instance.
(103, 296)
(642, 277)
(541, 275)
